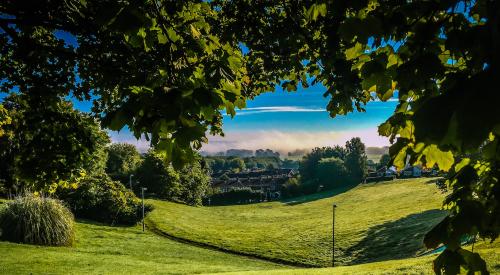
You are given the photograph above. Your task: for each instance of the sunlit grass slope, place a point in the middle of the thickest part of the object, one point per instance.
(420, 265)
(374, 222)
(121, 250)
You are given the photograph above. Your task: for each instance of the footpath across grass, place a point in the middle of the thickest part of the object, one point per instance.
(374, 222)
(121, 250)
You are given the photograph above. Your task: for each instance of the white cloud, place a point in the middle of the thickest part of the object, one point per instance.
(289, 141)
(277, 109)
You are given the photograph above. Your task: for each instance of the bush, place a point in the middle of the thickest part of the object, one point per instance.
(37, 220)
(101, 199)
(291, 188)
(295, 187)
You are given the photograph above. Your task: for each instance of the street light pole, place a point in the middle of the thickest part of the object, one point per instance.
(333, 235)
(142, 191)
(130, 181)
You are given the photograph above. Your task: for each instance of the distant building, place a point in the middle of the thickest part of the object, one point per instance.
(381, 174)
(412, 172)
(269, 180)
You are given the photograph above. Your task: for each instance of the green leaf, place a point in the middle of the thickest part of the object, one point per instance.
(315, 11)
(473, 262)
(449, 261)
(172, 35)
(162, 38)
(235, 62)
(399, 151)
(355, 51)
(187, 121)
(194, 31)
(437, 234)
(407, 131)
(118, 120)
(464, 162)
(230, 109)
(392, 60)
(433, 155)
(385, 129)
(228, 86)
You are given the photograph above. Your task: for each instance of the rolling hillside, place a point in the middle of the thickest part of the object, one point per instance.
(103, 249)
(374, 222)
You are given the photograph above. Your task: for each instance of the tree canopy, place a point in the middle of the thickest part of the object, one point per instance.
(167, 68)
(49, 146)
(331, 172)
(355, 159)
(187, 185)
(332, 167)
(123, 159)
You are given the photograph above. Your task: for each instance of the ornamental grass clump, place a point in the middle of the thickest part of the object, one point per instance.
(38, 220)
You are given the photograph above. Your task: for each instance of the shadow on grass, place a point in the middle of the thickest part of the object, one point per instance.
(398, 239)
(96, 223)
(318, 196)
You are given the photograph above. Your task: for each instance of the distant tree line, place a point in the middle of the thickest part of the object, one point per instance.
(266, 153)
(244, 153)
(238, 164)
(298, 153)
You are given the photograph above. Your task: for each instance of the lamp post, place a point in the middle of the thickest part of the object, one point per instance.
(333, 234)
(142, 191)
(130, 181)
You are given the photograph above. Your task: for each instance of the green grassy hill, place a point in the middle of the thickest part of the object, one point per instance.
(121, 250)
(374, 222)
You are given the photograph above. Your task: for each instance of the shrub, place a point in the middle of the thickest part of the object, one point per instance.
(291, 188)
(296, 187)
(101, 199)
(37, 220)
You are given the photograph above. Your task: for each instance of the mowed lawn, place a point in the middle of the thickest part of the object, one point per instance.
(374, 222)
(420, 265)
(121, 250)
